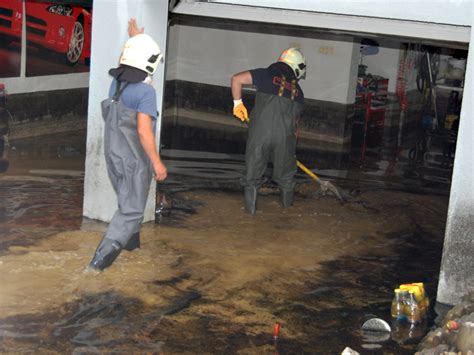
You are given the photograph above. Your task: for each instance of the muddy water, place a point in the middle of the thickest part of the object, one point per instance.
(209, 278)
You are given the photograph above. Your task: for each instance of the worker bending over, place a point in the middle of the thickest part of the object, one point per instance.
(272, 124)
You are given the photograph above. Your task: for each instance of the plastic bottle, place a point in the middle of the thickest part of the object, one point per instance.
(413, 309)
(424, 296)
(398, 305)
(418, 289)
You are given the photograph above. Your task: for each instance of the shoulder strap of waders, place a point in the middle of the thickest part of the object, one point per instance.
(293, 89)
(119, 91)
(282, 86)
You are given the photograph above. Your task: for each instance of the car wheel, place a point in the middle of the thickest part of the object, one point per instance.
(76, 44)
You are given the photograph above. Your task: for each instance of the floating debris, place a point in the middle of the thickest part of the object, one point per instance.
(376, 325)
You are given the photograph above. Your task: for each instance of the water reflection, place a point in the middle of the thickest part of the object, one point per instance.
(219, 154)
(405, 332)
(4, 163)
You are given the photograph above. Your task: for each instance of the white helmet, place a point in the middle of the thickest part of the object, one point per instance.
(141, 52)
(295, 59)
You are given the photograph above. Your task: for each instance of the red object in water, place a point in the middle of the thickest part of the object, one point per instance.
(452, 325)
(276, 330)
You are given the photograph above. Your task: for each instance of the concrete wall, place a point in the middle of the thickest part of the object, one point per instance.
(457, 266)
(328, 60)
(23, 85)
(211, 56)
(203, 55)
(47, 112)
(418, 19)
(385, 63)
(455, 12)
(109, 33)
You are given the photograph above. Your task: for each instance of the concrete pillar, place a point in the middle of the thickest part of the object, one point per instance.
(109, 33)
(456, 277)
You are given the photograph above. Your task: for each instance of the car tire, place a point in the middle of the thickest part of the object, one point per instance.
(76, 44)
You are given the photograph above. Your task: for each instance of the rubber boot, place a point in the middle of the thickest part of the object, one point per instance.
(133, 243)
(106, 253)
(286, 198)
(250, 197)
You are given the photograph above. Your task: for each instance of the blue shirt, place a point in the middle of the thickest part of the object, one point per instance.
(138, 97)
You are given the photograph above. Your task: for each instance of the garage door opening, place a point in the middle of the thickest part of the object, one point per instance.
(377, 108)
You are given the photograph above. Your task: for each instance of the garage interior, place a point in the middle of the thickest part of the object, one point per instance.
(384, 90)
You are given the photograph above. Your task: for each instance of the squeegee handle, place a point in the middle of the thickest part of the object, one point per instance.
(307, 171)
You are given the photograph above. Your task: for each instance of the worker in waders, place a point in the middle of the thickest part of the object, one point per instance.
(272, 124)
(131, 156)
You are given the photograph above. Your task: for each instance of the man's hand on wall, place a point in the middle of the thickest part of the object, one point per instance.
(133, 28)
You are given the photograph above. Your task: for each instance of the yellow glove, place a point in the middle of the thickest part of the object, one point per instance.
(240, 111)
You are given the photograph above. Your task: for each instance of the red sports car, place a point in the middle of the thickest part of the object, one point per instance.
(59, 27)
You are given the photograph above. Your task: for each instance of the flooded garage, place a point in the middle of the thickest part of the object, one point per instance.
(209, 277)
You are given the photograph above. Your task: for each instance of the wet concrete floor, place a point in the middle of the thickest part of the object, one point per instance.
(209, 278)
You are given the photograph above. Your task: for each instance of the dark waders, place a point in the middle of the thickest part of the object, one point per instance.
(272, 137)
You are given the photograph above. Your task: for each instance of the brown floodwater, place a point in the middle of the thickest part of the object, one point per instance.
(209, 278)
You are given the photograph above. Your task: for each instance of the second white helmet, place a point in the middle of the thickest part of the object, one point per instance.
(141, 52)
(295, 59)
